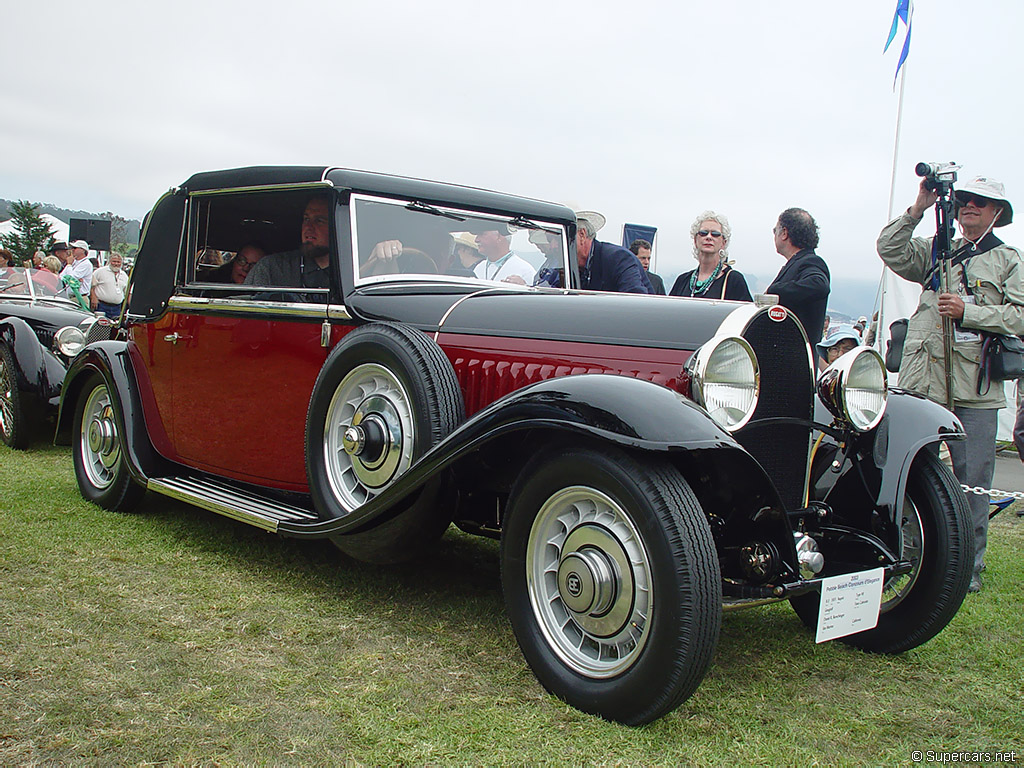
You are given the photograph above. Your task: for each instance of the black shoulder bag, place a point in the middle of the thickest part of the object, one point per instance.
(894, 347)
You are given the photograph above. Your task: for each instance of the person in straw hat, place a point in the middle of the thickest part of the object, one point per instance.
(989, 297)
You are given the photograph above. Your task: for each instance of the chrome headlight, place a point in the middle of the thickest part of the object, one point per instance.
(69, 341)
(724, 379)
(854, 389)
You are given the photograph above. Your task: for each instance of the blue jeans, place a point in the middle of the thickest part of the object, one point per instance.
(113, 311)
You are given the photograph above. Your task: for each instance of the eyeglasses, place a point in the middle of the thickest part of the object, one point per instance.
(966, 197)
(712, 232)
(244, 264)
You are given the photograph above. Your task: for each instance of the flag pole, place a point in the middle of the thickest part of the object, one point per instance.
(896, 145)
(880, 332)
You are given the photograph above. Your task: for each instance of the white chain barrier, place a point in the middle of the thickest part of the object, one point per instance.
(992, 492)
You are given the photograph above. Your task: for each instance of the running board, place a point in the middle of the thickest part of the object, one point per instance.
(231, 502)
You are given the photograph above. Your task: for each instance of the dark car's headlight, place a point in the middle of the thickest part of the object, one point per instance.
(724, 379)
(854, 390)
(69, 341)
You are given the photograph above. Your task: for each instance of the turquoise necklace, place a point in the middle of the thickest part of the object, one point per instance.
(700, 287)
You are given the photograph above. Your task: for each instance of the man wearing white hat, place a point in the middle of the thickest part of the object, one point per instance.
(989, 276)
(81, 267)
(604, 266)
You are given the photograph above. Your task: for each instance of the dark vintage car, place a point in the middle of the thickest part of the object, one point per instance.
(40, 332)
(646, 462)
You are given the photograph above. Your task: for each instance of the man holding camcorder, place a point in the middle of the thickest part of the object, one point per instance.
(985, 293)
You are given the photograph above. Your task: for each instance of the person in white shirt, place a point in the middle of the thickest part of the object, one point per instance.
(499, 262)
(108, 287)
(80, 267)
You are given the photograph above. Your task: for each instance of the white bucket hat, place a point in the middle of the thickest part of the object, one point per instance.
(595, 218)
(989, 188)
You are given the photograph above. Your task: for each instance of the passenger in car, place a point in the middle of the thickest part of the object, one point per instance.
(551, 271)
(309, 265)
(236, 270)
(499, 261)
(466, 253)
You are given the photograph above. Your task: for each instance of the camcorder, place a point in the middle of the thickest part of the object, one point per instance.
(937, 176)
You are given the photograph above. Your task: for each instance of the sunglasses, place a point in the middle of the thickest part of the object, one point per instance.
(966, 197)
(712, 232)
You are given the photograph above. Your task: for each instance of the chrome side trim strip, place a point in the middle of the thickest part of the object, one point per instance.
(230, 502)
(201, 304)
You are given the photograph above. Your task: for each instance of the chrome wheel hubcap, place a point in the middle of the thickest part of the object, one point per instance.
(589, 580)
(368, 436)
(100, 443)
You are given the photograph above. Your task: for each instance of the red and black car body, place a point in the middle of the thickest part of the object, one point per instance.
(646, 461)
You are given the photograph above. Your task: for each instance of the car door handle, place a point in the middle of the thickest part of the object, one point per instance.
(174, 337)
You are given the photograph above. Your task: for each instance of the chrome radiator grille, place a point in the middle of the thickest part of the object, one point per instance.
(787, 390)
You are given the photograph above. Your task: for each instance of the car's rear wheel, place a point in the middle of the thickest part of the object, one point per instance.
(100, 466)
(937, 538)
(386, 395)
(611, 580)
(13, 427)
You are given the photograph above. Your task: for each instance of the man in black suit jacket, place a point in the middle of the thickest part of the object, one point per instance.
(803, 284)
(642, 249)
(607, 267)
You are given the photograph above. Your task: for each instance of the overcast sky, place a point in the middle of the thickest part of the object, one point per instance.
(647, 112)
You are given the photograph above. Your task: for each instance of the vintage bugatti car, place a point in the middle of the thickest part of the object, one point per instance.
(40, 332)
(645, 461)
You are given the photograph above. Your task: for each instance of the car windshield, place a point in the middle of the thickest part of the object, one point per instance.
(402, 238)
(37, 283)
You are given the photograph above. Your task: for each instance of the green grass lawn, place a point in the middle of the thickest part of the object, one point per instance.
(173, 636)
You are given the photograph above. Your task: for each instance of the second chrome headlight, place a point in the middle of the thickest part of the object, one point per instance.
(69, 341)
(724, 379)
(854, 389)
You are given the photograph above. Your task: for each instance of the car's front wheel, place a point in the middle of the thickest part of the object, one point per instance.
(386, 395)
(100, 466)
(611, 580)
(937, 538)
(13, 429)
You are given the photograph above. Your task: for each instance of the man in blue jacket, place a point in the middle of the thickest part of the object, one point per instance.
(803, 284)
(603, 266)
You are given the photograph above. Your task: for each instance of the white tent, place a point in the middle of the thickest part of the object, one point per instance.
(59, 228)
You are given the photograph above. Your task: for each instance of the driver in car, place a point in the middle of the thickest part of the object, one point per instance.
(309, 265)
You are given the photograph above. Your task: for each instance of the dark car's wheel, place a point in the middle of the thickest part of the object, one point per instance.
(13, 429)
(939, 540)
(386, 395)
(100, 467)
(612, 581)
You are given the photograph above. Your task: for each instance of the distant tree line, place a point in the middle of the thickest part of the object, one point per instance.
(31, 233)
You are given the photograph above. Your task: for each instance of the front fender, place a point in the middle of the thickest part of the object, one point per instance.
(111, 359)
(632, 413)
(885, 454)
(38, 371)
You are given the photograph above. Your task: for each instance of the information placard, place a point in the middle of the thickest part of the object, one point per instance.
(849, 603)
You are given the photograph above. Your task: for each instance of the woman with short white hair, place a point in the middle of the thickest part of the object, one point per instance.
(714, 277)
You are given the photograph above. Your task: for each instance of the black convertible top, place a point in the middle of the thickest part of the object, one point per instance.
(434, 192)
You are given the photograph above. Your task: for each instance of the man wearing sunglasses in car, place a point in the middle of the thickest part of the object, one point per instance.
(988, 276)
